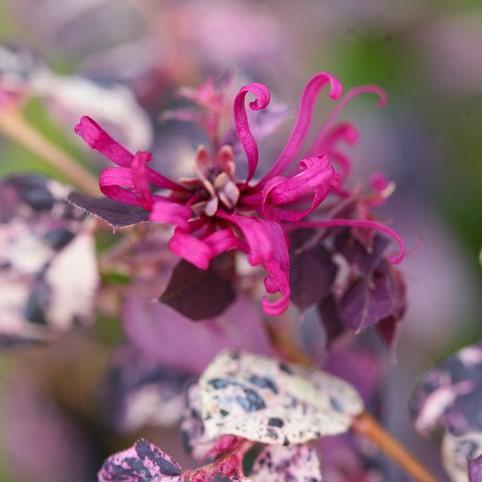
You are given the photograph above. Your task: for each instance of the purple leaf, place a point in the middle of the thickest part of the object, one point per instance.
(367, 301)
(358, 365)
(280, 464)
(312, 269)
(364, 259)
(347, 459)
(143, 462)
(201, 294)
(114, 213)
(475, 469)
(191, 346)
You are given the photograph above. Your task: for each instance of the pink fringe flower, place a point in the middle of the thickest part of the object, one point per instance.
(217, 212)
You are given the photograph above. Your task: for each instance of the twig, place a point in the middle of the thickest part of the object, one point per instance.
(364, 424)
(17, 128)
(367, 426)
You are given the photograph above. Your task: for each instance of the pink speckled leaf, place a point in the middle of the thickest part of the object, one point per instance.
(49, 271)
(143, 462)
(450, 394)
(278, 464)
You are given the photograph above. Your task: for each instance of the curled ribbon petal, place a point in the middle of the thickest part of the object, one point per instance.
(241, 122)
(139, 179)
(316, 178)
(351, 94)
(258, 240)
(191, 249)
(224, 240)
(170, 213)
(117, 184)
(303, 121)
(277, 269)
(99, 140)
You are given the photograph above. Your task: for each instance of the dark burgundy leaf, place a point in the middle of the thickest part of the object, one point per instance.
(312, 269)
(367, 301)
(114, 213)
(387, 329)
(328, 311)
(363, 258)
(201, 294)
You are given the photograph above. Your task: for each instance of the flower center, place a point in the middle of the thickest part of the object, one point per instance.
(216, 175)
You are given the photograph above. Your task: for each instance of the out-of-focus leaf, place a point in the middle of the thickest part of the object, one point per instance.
(358, 365)
(141, 463)
(451, 394)
(268, 401)
(312, 269)
(279, 464)
(458, 451)
(347, 458)
(114, 213)
(191, 346)
(475, 469)
(201, 294)
(112, 104)
(48, 274)
(139, 391)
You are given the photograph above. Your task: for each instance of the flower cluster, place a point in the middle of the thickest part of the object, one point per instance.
(217, 211)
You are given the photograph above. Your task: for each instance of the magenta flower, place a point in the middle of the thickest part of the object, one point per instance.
(216, 211)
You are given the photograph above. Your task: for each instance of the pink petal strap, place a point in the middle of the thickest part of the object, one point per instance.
(170, 213)
(117, 184)
(241, 122)
(303, 121)
(258, 240)
(278, 269)
(360, 223)
(224, 240)
(98, 139)
(191, 249)
(344, 131)
(316, 178)
(351, 94)
(139, 178)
